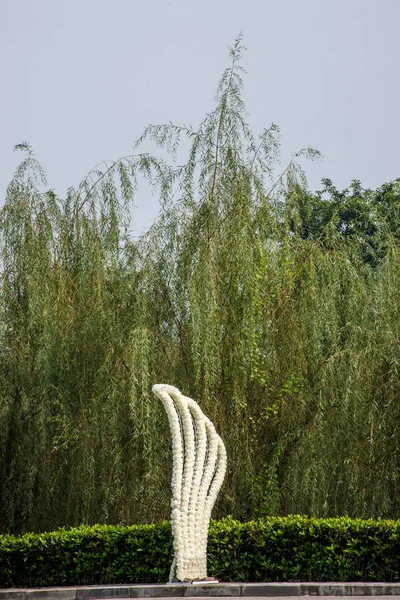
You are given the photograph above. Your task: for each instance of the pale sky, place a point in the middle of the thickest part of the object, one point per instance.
(80, 79)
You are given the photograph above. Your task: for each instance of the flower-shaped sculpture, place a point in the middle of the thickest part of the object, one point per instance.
(199, 465)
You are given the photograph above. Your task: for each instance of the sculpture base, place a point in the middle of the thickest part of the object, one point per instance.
(206, 581)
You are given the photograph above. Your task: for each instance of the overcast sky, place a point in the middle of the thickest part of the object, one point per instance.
(80, 79)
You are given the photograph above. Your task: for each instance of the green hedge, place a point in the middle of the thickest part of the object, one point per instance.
(273, 549)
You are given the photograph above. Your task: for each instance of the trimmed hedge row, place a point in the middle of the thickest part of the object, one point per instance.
(274, 549)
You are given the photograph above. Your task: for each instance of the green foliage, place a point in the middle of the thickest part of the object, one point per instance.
(369, 219)
(276, 549)
(276, 309)
(297, 548)
(87, 555)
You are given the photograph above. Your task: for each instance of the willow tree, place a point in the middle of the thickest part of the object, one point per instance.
(277, 335)
(290, 345)
(68, 304)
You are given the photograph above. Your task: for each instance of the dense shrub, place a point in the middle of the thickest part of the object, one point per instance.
(275, 549)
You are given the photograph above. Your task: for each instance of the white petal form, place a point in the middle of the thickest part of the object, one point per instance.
(199, 466)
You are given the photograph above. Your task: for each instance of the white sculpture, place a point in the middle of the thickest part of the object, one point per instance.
(199, 465)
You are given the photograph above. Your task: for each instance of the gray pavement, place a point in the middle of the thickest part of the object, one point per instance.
(209, 590)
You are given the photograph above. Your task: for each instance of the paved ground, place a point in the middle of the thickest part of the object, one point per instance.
(234, 591)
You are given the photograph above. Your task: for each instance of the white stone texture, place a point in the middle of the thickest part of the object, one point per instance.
(199, 466)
